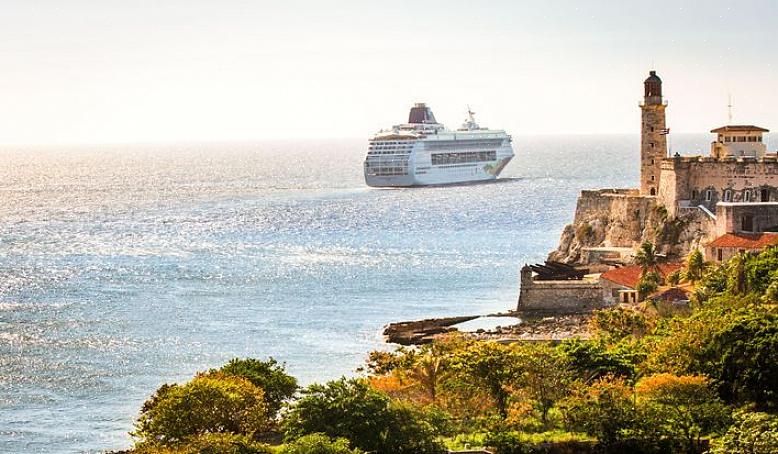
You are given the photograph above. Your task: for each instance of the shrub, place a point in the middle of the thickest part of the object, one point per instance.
(752, 433)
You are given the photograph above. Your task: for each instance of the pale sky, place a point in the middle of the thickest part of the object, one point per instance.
(79, 71)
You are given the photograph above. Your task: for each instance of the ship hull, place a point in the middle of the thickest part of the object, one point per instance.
(443, 175)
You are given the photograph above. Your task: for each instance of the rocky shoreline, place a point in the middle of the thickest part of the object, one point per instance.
(534, 327)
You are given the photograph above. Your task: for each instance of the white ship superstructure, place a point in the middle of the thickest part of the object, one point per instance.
(423, 152)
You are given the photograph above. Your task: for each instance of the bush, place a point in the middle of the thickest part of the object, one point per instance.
(752, 433)
(351, 409)
(202, 406)
(318, 444)
(268, 375)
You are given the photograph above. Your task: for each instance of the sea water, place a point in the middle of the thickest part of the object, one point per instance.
(126, 267)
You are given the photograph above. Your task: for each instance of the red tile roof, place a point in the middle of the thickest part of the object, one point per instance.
(629, 276)
(745, 240)
(671, 294)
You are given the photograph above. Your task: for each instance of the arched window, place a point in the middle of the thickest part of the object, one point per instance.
(727, 195)
(747, 196)
(765, 195)
(652, 191)
(708, 195)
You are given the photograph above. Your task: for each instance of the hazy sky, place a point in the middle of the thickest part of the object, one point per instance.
(77, 71)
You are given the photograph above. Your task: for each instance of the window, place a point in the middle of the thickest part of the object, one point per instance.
(695, 194)
(652, 163)
(765, 195)
(747, 196)
(708, 195)
(747, 223)
(727, 195)
(652, 191)
(652, 177)
(720, 254)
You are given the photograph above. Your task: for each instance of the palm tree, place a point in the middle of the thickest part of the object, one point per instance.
(647, 257)
(695, 266)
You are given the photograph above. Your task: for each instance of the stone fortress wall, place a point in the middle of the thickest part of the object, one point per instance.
(705, 181)
(558, 296)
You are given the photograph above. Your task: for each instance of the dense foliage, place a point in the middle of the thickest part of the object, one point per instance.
(353, 410)
(268, 375)
(647, 381)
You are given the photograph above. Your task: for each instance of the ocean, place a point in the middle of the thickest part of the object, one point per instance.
(126, 267)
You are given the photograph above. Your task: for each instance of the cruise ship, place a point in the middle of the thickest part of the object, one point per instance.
(423, 152)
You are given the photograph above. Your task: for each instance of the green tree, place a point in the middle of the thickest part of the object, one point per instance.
(490, 367)
(684, 406)
(762, 270)
(752, 433)
(202, 406)
(352, 409)
(591, 360)
(268, 375)
(695, 266)
(740, 357)
(318, 444)
(614, 324)
(545, 377)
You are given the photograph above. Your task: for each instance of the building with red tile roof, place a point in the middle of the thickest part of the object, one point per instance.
(728, 245)
(619, 285)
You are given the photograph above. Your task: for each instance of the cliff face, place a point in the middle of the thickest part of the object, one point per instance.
(623, 219)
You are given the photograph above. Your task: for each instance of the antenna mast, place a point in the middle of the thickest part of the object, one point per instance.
(729, 109)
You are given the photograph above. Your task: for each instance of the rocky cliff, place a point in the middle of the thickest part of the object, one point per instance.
(610, 223)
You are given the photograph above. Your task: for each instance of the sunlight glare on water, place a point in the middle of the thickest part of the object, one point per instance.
(122, 268)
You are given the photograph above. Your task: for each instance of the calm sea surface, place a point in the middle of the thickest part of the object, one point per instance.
(122, 268)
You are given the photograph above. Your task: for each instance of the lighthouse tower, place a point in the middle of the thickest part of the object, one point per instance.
(653, 135)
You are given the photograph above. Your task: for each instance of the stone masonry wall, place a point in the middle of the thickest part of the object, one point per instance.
(558, 296)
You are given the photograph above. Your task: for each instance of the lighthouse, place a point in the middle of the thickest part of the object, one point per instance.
(653, 135)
